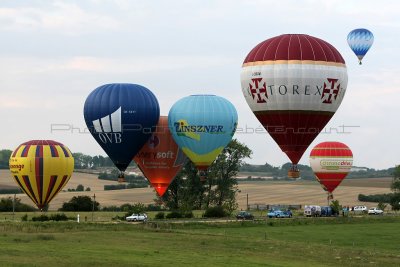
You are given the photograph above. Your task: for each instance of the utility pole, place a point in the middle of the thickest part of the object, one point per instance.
(247, 201)
(14, 207)
(94, 200)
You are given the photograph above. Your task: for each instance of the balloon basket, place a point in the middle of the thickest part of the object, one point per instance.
(293, 174)
(202, 172)
(121, 178)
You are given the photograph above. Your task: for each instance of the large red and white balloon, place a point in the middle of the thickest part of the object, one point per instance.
(294, 83)
(331, 162)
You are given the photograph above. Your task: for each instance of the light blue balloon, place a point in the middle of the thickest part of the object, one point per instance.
(202, 126)
(360, 41)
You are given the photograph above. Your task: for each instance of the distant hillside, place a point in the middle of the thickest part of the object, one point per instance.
(83, 161)
(307, 173)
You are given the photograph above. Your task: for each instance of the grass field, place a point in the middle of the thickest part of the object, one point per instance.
(366, 241)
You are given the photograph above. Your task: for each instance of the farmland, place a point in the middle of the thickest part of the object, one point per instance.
(261, 192)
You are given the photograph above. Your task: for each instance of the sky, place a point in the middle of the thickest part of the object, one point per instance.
(54, 53)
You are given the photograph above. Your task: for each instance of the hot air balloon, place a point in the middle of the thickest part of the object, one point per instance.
(202, 125)
(331, 162)
(121, 117)
(160, 159)
(360, 41)
(294, 83)
(41, 168)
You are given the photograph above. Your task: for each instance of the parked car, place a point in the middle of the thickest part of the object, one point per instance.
(279, 214)
(137, 218)
(312, 211)
(375, 211)
(244, 215)
(326, 211)
(363, 209)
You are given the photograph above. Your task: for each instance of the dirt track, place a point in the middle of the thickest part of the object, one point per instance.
(297, 192)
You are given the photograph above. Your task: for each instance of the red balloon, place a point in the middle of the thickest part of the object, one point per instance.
(294, 83)
(160, 159)
(331, 162)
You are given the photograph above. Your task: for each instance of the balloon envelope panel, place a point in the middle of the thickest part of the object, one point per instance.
(41, 168)
(160, 159)
(202, 125)
(331, 162)
(121, 117)
(294, 83)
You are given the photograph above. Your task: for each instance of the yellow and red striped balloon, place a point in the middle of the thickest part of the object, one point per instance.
(41, 168)
(331, 162)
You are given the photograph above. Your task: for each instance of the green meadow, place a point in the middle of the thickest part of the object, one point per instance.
(364, 241)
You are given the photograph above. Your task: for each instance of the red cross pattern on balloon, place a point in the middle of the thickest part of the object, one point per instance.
(331, 91)
(258, 89)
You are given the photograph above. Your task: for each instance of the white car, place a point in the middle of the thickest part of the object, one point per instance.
(360, 209)
(312, 211)
(375, 211)
(137, 218)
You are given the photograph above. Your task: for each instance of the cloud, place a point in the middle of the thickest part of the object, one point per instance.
(57, 17)
(7, 102)
(32, 65)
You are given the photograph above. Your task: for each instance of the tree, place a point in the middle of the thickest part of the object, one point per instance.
(6, 204)
(78, 161)
(223, 171)
(395, 201)
(336, 207)
(80, 203)
(187, 192)
(395, 186)
(138, 208)
(382, 205)
(79, 188)
(4, 158)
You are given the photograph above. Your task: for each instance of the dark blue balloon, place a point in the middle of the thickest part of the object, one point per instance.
(121, 117)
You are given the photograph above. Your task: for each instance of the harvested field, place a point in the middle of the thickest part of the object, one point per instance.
(260, 192)
(305, 192)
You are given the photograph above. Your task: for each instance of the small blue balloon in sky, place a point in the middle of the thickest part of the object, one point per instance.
(360, 41)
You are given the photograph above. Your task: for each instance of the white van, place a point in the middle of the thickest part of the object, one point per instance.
(312, 211)
(360, 209)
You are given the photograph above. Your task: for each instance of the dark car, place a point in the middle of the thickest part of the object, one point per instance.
(326, 211)
(244, 215)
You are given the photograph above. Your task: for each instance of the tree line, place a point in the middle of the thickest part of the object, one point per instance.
(308, 174)
(279, 172)
(391, 198)
(83, 161)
